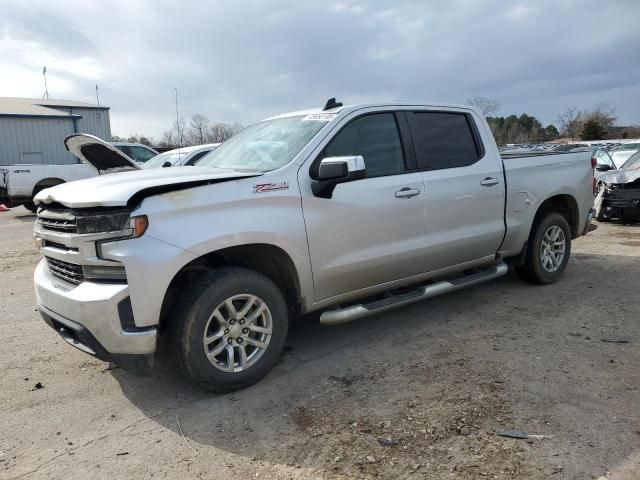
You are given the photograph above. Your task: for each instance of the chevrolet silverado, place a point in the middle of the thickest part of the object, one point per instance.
(345, 210)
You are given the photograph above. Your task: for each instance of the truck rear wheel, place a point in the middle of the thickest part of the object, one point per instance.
(548, 250)
(229, 330)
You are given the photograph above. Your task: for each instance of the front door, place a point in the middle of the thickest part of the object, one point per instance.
(371, 231)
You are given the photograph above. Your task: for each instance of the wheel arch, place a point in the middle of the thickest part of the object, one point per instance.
(267, 259)
(564, 204)
(46, 183)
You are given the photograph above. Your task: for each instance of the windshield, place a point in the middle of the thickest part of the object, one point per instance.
(628, 146)
(266, 145)
(633, 163)
(158, 160)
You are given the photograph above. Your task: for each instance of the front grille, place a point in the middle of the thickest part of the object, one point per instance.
(70, 272)
(59, 225)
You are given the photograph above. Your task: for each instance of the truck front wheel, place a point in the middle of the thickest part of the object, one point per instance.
(228, 331)
(548, 250)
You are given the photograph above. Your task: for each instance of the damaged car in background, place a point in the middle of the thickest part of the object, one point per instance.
(619, 191)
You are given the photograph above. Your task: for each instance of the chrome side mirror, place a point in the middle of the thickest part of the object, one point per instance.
(335, 170)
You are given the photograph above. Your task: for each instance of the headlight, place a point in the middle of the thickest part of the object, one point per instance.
(104, 272)
(139, 225)
(102, 222)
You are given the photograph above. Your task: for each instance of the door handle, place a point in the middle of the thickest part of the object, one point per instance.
(407, 192)
(489, 182)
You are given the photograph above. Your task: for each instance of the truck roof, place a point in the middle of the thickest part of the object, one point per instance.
(358, 106)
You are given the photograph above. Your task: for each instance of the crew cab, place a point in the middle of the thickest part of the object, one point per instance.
(345, 210)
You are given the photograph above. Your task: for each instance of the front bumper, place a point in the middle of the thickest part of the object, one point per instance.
(92, 317)
(619, 201)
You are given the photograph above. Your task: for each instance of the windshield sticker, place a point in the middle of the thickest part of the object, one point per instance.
(322, 117)
(270, 187)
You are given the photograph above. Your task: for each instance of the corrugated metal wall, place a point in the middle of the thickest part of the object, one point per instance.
(94, 121)
(20, 135)
(40, 139)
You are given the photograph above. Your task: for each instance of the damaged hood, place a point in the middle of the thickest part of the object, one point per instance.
(97, 153)
(118, 189)
(620, 176)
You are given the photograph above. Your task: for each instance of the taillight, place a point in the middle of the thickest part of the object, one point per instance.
(594, 162)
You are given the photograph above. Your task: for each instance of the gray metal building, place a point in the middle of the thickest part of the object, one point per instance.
(33, 130)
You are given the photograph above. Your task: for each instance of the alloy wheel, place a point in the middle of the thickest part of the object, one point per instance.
(238, 333)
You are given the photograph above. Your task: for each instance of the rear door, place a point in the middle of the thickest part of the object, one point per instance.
(464, 187)
(372, 230)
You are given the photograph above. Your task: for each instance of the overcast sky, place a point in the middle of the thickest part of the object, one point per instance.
(245, 60)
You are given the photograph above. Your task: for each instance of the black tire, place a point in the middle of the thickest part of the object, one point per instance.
(30, 206)
(36, 190)
(192, 312)
(533, 269)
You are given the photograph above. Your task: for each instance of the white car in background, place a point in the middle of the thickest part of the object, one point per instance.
(181, 156)
(621, 154)
(20, 183)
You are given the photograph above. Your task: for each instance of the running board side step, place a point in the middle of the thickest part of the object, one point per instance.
(355, 312)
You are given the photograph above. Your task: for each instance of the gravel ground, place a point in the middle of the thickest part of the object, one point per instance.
(416, 393)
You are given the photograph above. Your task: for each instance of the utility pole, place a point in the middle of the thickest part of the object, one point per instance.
(97, 96)
(46, 91)
(178, 123)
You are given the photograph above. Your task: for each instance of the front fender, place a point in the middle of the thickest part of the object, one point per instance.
(187, 224)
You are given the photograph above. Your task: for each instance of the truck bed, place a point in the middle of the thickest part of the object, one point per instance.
(532, 177)
(17, 182)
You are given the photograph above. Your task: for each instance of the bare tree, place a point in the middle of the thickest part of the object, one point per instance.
(175, 137)
(168, 139)
(140, 139)
(486, 105)
(570, 122)
(198, 129)
(219, 132)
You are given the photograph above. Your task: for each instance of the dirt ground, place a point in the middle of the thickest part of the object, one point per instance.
(416, 393)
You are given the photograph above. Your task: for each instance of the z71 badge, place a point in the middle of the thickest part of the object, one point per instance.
(270, 187)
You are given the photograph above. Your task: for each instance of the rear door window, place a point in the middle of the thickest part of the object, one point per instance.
(444, 139)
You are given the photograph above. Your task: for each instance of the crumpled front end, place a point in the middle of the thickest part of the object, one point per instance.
(618, 200)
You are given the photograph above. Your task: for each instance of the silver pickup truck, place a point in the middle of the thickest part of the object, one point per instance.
(349, 211)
